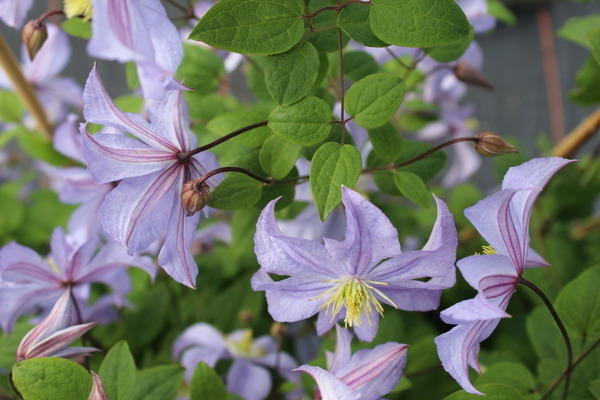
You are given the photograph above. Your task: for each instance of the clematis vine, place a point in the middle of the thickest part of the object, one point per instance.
(350, 279)
(503, 220)
(247, 376)
(367, 374)
(152, 170)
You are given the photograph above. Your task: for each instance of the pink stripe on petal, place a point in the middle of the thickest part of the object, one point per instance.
(133, 155)
(367, 372)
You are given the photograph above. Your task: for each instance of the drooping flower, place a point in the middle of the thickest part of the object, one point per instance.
(247, 376)
(28, 282)
(366, 375)
(14, 11)
(54, 333)
(146, 204)
(350, 279)
(503, 220)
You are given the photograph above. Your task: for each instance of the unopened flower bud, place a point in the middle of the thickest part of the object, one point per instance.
(278, 330)
(34, 34)
(194, 196)
(491, 144)
(466, 73)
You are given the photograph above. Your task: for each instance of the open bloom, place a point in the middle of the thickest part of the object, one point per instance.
(14, 11)
(247, 376)
(147, 202)
(503, 220)
(367, 374)
(350, 279)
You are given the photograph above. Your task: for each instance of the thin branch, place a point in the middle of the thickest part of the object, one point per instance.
(342, 89)
(244, 171)
(335, 8)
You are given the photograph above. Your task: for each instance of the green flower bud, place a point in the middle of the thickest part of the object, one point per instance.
(491, 144)
(34, 34)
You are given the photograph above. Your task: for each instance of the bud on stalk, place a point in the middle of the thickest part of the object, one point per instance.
(466, 73)
(491, 144)
(194, 196)
(34, 34)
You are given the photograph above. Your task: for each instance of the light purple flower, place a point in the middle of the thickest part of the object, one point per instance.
(366, 375)
(350, 279)
(478, 15)
(503, 220)
(247, 376)
(14, 11)
(138, 31)
(54, 333)
(98, 392)
(27, 281)
(147, 202)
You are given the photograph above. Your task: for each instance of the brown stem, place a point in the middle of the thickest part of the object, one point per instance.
(244, 171)
(24, 89)
(578, 136)
(40, 20)
(342, 89)
(335, 8)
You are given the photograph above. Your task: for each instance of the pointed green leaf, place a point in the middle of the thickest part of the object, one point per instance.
(451, 51)
(412, 187)
(277, 156)
(252, 26)
(206, 384)
(576, 29)
(332, 166)
(386, 142)
(306, 122)
(235, 192)
(158, 383)
(229, 122)
(118, 372)
(290, 76)
(354, 20)
(418, 23)
(373, 100)
(51, 378)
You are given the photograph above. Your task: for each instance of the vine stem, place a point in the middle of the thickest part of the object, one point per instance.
(335, 8)
(342, 89)
(244, 171)
(563, 331)
(24, 89)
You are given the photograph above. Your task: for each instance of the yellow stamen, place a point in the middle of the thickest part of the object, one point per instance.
(52, 264)
(243, 347)
(77, 8)
(357, 295)
(487, 251)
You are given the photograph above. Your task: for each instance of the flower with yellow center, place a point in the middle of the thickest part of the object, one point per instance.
(78, 8)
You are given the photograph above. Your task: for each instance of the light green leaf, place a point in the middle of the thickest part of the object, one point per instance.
(451, 51)
(497, 9)
(332, 166)
(229, 122)
(418, 23)
(373, 100)
(493, 391)
(594, 36)
(235, 192)
(158, 383)
(277, 156)
(576, 29)
(206, 384)
(354, 20)
(37, 146)
(412, 187)
(290, 76)
(386, 142)
(51, 378)
(252, 26)
(78, 27)
(11, 108)
(306, 122)
(118, 372)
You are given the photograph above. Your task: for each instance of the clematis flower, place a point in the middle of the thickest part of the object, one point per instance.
(247, 376)
(14, 11)
(98, 392)
(350, 279)
(147, 201)
(28, 282)
(138, 31)
(503, 220)
(54, 333)
(367, 374)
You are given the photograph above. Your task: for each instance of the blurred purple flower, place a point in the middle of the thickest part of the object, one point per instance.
(367, 374)
(350, 279)
(138, 31)
(98, 392)
(247, 376)
(478, 15)
(54, 333)
(14, 11)
(503, 220)
(28, 282)
(147, 201)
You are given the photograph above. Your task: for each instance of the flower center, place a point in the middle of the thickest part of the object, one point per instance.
(487, 251)
(357, 295)
(242, 347)
(76, 8)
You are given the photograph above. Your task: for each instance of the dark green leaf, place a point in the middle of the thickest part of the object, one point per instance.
(354, 20)
(594, 36)
(386, 142)
(451, 51)
(200, 69)
(158, 383)
(277, 156)
(587, 80)
(413, 188)
(373, 100)
(325, 37)
(510, 374)
(118, 372)
(206, 384)
(493, 391)
(235, 192)
(306, 122)
(358, 65)
(231, 121)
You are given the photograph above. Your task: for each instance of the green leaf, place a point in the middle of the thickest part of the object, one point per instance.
(576, 29)
(412, 187)
(306, 122)
(358, 65)
(493, 391)
(131, 75)
(594, 36)
(78, 27)
(51, 378)
(332, 166)
(235, 192)
(229, 122)
(277, 156)
(354, 20)
(118, 372)
(497, 9)
(12, 210)
(200, 69)
(594, 388)
(510, 374)
(11, 108)
(587, 81)
(373, 100)
(37, 146)
(418, 23)
(206, 384)
(252, 26)
(578, 304)
(386, 141)
(325, 36)
(147, 320)
(158, 383)
(290, 76)
(451, 51)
